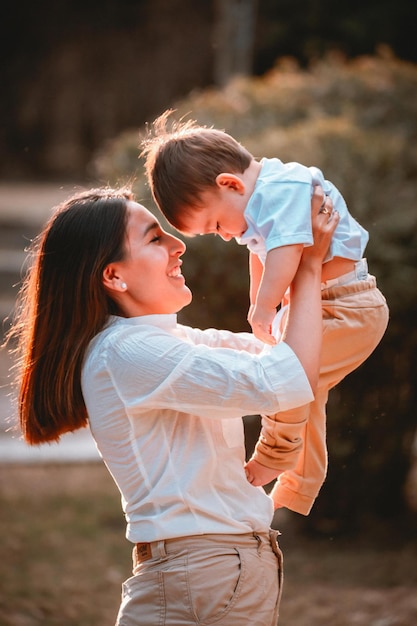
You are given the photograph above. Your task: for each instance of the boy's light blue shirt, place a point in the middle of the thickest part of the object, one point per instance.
(279, 212)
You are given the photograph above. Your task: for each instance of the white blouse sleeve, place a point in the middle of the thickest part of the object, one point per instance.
(152, 369)
(224, 339)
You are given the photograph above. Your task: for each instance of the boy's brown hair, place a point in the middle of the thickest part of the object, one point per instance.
(182, 162)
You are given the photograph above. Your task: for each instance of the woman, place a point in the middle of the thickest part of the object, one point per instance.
(99, 343)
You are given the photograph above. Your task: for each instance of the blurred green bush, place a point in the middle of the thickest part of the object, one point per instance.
(357, 121)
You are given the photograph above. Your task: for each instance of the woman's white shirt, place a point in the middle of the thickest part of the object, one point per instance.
(165, 405)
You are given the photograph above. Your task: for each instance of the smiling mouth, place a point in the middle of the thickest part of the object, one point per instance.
(175, 272)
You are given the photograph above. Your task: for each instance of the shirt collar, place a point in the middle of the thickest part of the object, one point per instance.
(166, 321)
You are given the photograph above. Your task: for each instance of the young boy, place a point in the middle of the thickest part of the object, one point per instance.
(204, 181)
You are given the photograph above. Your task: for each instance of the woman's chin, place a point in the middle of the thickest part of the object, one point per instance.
(188, 296)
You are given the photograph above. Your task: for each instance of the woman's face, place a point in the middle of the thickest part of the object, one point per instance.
(151, 269)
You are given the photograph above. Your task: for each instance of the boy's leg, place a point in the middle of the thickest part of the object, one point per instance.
(355, 318)
(296, 489)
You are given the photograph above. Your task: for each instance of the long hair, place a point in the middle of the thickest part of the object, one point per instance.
(61, 306)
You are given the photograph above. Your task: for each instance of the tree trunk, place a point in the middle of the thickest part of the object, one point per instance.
(233, 38)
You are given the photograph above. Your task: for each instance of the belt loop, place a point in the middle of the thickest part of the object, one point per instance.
(160, 548)
(259, 540)
(361, 269)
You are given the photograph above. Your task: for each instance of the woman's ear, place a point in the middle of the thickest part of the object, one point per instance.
(231, 181)
(112, 279)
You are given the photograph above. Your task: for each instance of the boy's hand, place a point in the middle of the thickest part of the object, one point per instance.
(261, 322)
(259, 475)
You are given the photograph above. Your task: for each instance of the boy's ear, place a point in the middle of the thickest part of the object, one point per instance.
(232, 181)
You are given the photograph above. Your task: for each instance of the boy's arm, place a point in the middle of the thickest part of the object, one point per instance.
(256, 270)
(281, 265)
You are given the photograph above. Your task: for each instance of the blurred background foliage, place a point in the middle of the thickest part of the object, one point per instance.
(357, 121)
(76, 73)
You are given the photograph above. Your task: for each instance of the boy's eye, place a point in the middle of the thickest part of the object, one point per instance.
(217, 226)
(156, 238)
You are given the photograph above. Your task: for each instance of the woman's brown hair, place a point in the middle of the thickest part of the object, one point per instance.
(61, 306)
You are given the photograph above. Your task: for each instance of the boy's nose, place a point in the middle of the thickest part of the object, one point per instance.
(225, 236)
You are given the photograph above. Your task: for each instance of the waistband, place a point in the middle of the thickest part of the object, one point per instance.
(158, 549)
(359, 273)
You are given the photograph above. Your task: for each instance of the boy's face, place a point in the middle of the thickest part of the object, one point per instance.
(219, 211)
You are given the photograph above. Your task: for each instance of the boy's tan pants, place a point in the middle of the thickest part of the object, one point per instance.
(355, 317)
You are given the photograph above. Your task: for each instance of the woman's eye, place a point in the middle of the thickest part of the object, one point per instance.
(156, 238)
(217, 226)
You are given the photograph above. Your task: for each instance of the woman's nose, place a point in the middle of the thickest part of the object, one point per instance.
(225, 236)
(177, 246)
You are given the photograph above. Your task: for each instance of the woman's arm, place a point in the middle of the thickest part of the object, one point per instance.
(224, 339)
(153, 370)
(304, 328)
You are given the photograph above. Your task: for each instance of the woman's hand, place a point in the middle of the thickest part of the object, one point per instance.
(324, 221)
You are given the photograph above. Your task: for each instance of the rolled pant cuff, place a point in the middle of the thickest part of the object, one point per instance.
(297, 502)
